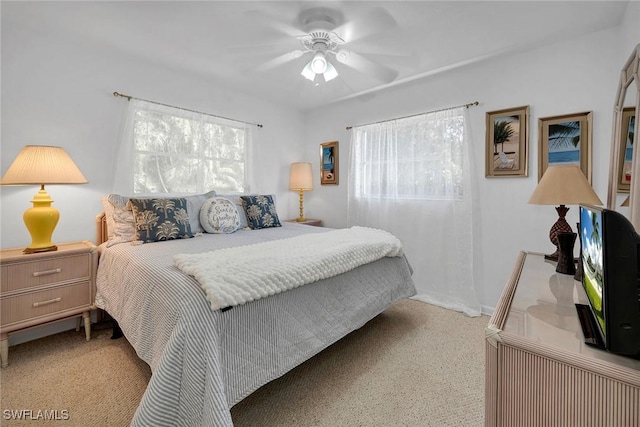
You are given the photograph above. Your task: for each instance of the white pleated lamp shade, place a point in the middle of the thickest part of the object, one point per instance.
(41, 164)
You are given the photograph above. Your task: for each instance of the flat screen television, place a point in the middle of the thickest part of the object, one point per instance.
(610, 252)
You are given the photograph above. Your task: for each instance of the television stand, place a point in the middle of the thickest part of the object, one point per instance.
(539, 371)
(589, 326)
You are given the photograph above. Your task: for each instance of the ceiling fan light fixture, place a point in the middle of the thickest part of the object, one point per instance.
(331, 72)
(308, 73)
(319, 63)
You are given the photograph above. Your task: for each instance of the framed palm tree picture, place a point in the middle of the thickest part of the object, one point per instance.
(329, 163)
(627, 132)
(507, 143)
(565, 140)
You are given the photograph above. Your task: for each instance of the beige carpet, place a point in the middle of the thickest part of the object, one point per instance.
(414, 365)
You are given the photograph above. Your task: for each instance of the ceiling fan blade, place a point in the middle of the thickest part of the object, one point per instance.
(261, 48)
(261, 62)
(375, 21)
(286, 40)
(367, 66)
(275, 22)
(279, 60)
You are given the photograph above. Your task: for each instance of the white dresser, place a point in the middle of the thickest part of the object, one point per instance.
(539, 371)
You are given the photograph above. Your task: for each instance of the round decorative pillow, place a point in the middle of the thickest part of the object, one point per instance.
(219, 215)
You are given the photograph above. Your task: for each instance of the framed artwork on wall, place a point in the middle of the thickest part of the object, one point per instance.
(565, 140)
(507, 136)
(627, 132)
(329, 163)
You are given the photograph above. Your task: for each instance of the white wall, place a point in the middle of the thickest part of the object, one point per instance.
(569, 77)
(630, 30)
(58, 91)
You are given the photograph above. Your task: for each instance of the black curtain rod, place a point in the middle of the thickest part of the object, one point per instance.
(129, 98)
(419, 114)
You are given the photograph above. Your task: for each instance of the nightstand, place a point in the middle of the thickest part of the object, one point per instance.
(44, 287)
(308, 221)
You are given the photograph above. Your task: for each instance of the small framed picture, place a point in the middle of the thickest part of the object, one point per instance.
(329, 163)
(627, 132)
(507, 143)
(565, 140)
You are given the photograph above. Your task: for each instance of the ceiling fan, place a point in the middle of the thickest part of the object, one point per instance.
(323, 37)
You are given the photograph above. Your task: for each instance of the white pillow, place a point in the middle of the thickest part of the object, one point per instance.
(120, 222)
(219, 216)
(194, 203)
(235, 198)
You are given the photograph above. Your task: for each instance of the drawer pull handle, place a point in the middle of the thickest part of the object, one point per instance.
(44, 273)
(51, 301)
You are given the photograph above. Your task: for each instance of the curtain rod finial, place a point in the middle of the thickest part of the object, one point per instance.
(122, 95)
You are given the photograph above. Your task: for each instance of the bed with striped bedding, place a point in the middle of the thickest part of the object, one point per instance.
(204, 361)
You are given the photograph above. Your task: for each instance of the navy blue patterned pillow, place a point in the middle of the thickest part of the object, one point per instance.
(260, 211)
(160, 219)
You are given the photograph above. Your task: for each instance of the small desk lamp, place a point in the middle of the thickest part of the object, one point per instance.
(563, 185)
(301, 179)
(40, 165)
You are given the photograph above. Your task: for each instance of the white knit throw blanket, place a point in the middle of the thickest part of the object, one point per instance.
(242, 274)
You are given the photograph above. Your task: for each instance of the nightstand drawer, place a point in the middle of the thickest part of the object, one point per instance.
(46, 302)
(27, 274)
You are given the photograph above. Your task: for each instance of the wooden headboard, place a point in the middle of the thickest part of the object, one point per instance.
(102, 234)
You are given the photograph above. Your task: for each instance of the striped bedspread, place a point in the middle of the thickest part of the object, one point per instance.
(204, 361)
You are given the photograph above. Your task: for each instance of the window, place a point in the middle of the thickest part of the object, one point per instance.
(412, 158)
(179, 151)
(413, 177)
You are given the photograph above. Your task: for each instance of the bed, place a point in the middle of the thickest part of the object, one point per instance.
(203, 361)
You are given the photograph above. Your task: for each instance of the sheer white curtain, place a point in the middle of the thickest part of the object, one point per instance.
(413, 178)
(165, 149)
(125, 161)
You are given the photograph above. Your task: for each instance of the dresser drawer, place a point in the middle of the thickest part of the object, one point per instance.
(46, 302)
(27, 274)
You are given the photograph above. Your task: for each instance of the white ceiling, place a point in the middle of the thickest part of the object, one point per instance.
(228, 41)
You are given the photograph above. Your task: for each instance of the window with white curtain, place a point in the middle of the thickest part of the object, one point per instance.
(180, 151)
(413, 177)
(405, 159)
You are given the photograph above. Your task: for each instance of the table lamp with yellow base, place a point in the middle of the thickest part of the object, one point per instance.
(41, 165)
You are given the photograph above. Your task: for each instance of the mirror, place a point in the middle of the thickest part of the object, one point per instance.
(625, 152)
(624, 162)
